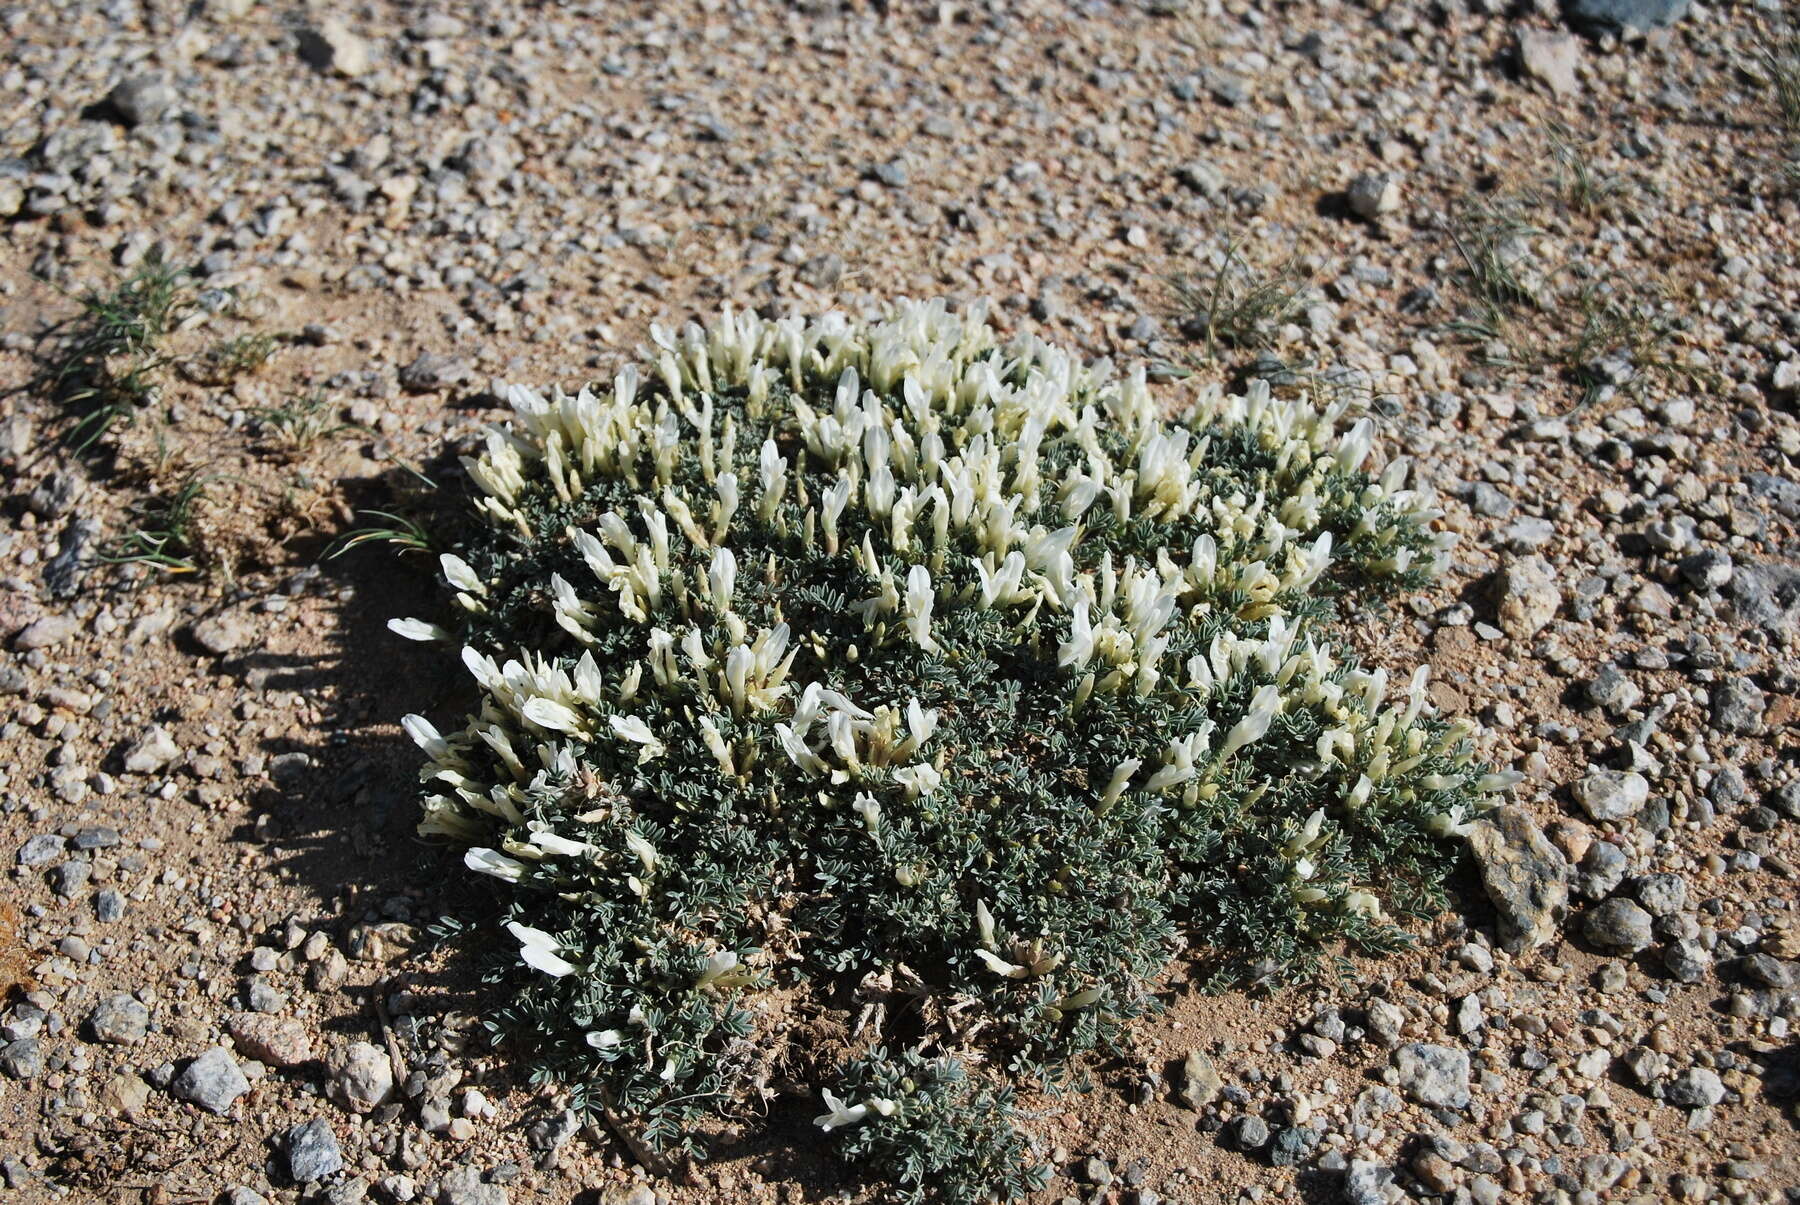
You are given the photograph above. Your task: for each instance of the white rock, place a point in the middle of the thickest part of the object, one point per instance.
(362, 1078)
(1612, 795)
(154, 750)
(1374, 194)
(332, 47)
(1552, 58)
(1529, 597)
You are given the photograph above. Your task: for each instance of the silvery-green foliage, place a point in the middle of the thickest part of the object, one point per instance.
(885, 672)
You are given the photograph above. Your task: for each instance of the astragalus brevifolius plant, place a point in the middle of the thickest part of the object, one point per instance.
(871, 711)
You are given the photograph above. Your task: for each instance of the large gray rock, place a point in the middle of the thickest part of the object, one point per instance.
(23, 1059)
(211, 1081)
(1200, 1082)
(1525, 876)
(312, 1151)
(119, 1020)
(1767, 595)
(1529, 597)
(1369, 1183)
(142, 99)
(1617, 926)
(1434, 1076)
(1619, 16)
(464, 1186)
(1695, 1088)
(1613, 795)
(362, 1078)
(1738, 705)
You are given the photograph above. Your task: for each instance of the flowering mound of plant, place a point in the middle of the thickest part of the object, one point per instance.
(870, 711)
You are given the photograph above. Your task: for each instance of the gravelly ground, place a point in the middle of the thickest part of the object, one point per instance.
(207, 800)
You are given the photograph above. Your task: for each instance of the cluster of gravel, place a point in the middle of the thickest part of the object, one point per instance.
(227, 982)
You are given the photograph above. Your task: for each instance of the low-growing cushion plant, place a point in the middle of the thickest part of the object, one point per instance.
(871, 711)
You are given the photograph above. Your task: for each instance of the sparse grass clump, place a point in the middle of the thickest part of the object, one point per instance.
(226, 360)
(1595, 330)
(113, 356)
(1577, 183)
(165, 531)
(851, 688)
(1238, 306)
(1781, 65)
(299, 423)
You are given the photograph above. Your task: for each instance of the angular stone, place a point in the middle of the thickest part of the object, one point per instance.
(1200, 1081)
(1695, 1088)
(142, 99)
(1661, 894)
(23, 1059)
(362, 1078)
(1434, 1076)
(152, 751)
(1617, 926)
(1529, 597)
(223, 633)
(464, 1186)
(47, 632)
(119, 1020)
(1370, 1183)
(211, 1081)
(1738, 705)
(125, 1093)
(312, 1151)
(1525, 876)
(275, 1041)
(332, 47)
(1552, 58)
(1612, 795)
(1373, 195)
(45, 847)
(430, 371)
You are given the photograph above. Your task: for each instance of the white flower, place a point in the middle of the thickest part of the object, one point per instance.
(1355, 448)
(646, 852)
(633, 728)
(869, 810)
(722, 970)
(488, 861)
(984, 923)
(919, 598)
(1000, 966)
(460, 576)
(1121, 778)
(721, 578)
(538, 949)
(1263, 706)
(1445, 825)
(417, 629)
(551, 843)
(921, 779)
(838, 1113)
(548, 713)
(425, 735)
(1078, 649)
(605, 1039)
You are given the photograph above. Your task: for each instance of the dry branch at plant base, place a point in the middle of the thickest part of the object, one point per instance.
(882, 672)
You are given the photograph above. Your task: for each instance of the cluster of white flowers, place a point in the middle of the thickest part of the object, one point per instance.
(969, 476)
